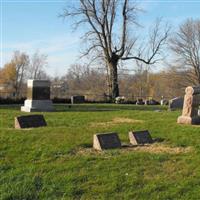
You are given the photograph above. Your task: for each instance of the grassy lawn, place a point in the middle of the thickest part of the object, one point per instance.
(57, 162)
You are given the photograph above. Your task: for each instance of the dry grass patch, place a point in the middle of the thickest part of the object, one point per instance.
(155, 148)
(160, 148)
(115, 121)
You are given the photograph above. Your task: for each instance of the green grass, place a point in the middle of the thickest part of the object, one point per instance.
(44, 163)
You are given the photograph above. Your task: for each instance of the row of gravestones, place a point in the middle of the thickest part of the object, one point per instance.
(38, 97)
(101, 141)
(111, 140)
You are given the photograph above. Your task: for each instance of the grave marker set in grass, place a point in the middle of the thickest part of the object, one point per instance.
(106, 141)
(103, 141)
(57, 161)
(29, 121)
(140, 137)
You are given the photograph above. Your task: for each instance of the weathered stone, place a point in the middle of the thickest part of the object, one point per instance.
(29, 121)
(190, 106)
(38, 96)
(77, 99)
(139, 102)
(103, 141)
(151, 102)
(176, 103)
(140, 137)
(164, 102)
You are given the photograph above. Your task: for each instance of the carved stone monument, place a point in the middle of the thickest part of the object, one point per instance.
(140, 137)
(103, 141)
(29, 121)
(38, 96)
(190, 106)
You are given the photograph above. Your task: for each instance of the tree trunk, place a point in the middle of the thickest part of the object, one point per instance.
(114, 88)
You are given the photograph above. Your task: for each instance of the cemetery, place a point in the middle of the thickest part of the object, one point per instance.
(100, 100)
(110, 151)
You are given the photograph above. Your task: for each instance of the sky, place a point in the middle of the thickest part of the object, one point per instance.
(35, 25)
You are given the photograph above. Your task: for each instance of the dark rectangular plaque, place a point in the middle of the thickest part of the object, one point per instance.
(106, 141)
(77, 99)
(140, 137)
(30, 121)
(38, 93)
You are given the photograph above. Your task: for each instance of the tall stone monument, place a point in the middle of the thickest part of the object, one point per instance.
(38, 96)
(190, 106)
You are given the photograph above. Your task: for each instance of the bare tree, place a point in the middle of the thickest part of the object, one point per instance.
(186, 44)
(109, 34)
(36, 67)
(21, 62)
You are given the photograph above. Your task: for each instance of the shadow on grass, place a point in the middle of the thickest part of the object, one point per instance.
(154, 140)
(94, 107)
(106, 107)
(124, 145)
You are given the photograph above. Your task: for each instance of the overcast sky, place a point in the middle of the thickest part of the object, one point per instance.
(30, 25)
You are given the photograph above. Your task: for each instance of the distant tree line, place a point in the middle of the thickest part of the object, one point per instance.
(182, 68)
(14, 74)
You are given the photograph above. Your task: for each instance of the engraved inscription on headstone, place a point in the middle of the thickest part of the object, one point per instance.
(140, 137)
(29, 121)
(190, 106)
(103, 141)
(38, 93)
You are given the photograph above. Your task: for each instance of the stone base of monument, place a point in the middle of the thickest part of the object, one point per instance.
(188, 120)
(37, 105)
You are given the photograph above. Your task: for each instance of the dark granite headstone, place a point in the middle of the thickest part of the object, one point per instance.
(152, 102)
(38, 96)
(38, 93)
(139, 102)
(176, 103)
(29, 121)
(77, 99)
(103, 141)
(140, 137)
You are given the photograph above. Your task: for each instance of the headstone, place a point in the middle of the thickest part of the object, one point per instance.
(190, 106)
(119, 100)
(38, 96)
(140, 137)
(163, 102)
(176, 103)
(77, 99)
(140, 102)
(29, 121)
(103, 141)
(151, 102)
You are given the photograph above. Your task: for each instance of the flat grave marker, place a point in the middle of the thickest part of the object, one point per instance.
(29, 121)
(140, 137)
(103, 141)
